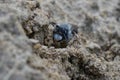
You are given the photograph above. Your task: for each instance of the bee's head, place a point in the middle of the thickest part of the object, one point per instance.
(63, 32)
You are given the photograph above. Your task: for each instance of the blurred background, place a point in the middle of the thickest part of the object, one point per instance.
(26, 38)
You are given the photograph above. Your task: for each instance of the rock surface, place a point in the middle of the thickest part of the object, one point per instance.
(26, 51)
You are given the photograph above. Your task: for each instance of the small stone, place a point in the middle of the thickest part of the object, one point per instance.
(34, 41)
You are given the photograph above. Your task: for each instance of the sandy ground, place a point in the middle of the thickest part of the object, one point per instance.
(26, 38)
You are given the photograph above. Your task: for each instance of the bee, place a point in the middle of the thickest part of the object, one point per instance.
(63, 33)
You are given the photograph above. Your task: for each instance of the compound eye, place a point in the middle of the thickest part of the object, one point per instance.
(57, 37)
(58, 29)
(57, 26)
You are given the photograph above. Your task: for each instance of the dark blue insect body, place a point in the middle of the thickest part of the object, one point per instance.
(63, 33)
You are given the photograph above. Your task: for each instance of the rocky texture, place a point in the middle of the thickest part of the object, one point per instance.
(92, 54)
